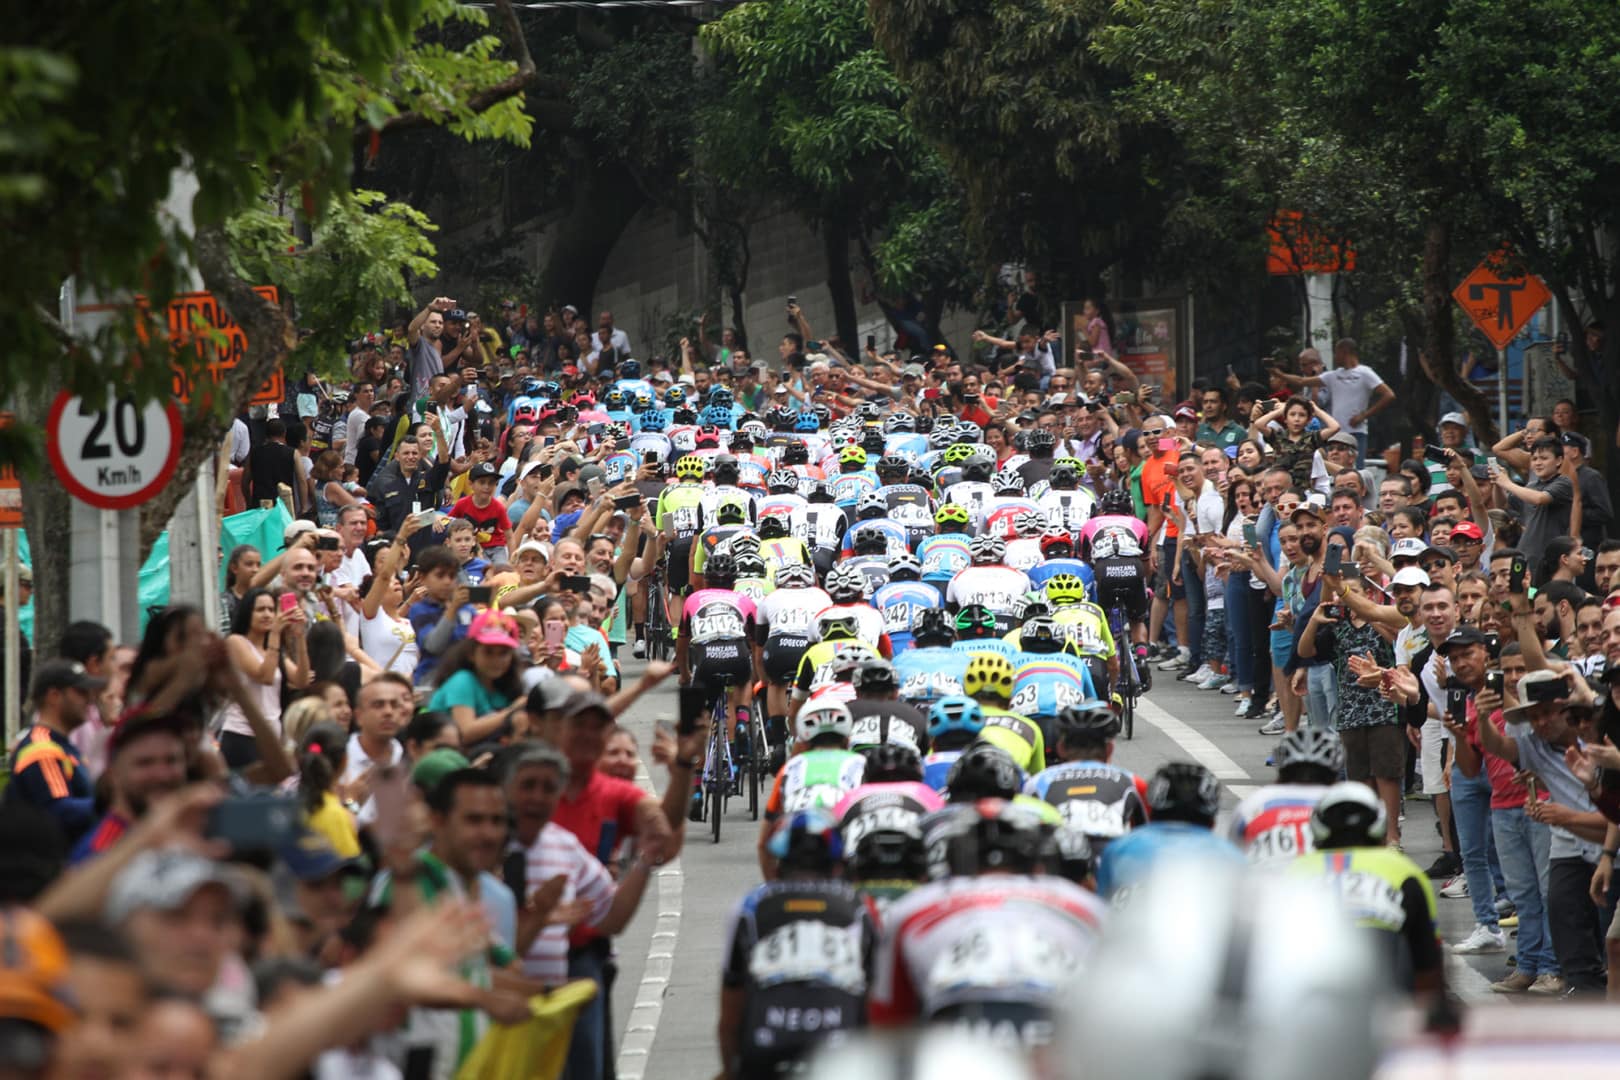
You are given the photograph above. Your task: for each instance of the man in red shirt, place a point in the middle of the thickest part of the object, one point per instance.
(1160, 456)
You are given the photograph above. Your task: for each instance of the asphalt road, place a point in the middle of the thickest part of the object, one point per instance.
(665, 1001)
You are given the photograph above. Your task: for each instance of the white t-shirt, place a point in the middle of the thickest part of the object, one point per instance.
(1207, 513)
(356, 762)
(1351, 389)
(388, 640)
(353, 431)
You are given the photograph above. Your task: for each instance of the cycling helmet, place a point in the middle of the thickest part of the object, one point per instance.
(823, 413)
(1030, 605)
(871, 505)
(781, 418)
(819, 491)
(743, 542)
(630, 369)
(957, 713)
(1028, 523)
(868, 412)
(689, 467)
(794, 575)
(929, 625)
(1065, 589)
(875, 676)
(808, 841)
(643, 401)
(1349, 814)
(749, 565)
(852, 455)
(1041, 634)
(904, 566)
(753, 431)
(1068, 852)
(975, 621)
(1039, 439)
(894, 852)
(1318, 750)
(731, 512)
(1087, 722)
(940, 438)
(1063, 477)
(720, 571)
(549, 389)
(846, 584)
(952, 514)
(818, 718)
(807, 422)
(653, 420)
(530, 386)
(773, 527)
(977, 469)
(957, 454)
(870, 540)
(987, 550)
(675, 395)
(795, 453)
(1056, 543)
(983, 771)
(839, 625)
(872, 441)
(989, 675)
(781, 482)
(722, 397)
(615, 400)
(1007, 480)
(1117, 501)
(726, 469)
(892, 763)
(968, 431)
(715, 416)
(899, 422)
(1184, 791)
(683, 415)
(893, 469)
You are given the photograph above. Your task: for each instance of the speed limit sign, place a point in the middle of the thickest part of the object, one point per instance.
(116, 456)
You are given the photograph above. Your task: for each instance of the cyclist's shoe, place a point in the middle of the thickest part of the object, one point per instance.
(1144, 675)
(694, 807)
(639, 649)
(1117, 703)
(778, 758)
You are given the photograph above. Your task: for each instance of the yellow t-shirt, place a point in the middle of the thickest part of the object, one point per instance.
(336, 825)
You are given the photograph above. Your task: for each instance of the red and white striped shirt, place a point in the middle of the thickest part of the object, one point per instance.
(558, 851)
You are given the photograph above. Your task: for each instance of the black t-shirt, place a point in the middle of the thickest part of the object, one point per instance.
(268, 464)
(367, 456)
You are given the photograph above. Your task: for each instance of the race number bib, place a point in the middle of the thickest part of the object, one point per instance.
(790, 621)
(1095, 817)
(929, 686)
(721, 625)
(883, 819)
(808, 951)
(868, 731)
(1003, 961)
(813, 797)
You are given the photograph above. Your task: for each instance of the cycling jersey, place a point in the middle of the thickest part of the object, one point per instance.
(789, 507)
(718, 496)
(822, 653)
(874, 808)
(1049, 568)
(1109, 535)
(1071, 509)
(943, 557)
(1274, 823)
(1018, 735)
(999, 588)
(995, 954)
(895, 537)
(815, 778)
(1101, 800)
(1388, 895)
(847, 488)
(1086, 625)
(973, 494)
(999, 512)
(788, 550)
(937, 768)
(787, 619)
(899, 602)
(868, 623)
(1023, 554)
(824, 531)
(620, 466)
(1044, 684)
(928, 674)
(911, 507)
(755, 588)
(906, 444)
(1128, 861)
(882, 721)
(719, 626)
(987, 645)
(711, 540)
(874, 568)
(681, 508)
(632, 387)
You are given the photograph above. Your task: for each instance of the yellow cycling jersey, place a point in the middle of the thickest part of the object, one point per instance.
(680, 509)
(787, 550)
(1018, 735)
(824, 652)
(1087, 625)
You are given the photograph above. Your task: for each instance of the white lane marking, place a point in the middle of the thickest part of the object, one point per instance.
(1465, 982)
(641, 1028)
(1203, 751)
(1242, 790)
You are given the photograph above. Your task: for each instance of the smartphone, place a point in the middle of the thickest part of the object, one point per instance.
(578, 584)
(1250, 537)
(548, 440)
(871, 342)
(1490, 463)
(792, 300)
(625, 502)
(1230, 374)
(1516, 576)
(1457, 706)
(288, 601)
(256, 822)
(650, 458)
(694, 703)
(555, 630)
(1493, 644)
(1494, 682)
(1437, 454)
(1166, 445)
(416, 507)
(1530, 786)
(480, 594)
(327, 543)
(1333, 561)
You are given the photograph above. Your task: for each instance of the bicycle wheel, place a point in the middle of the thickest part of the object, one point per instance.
(756, 761)
(722, 765)
(657, 628)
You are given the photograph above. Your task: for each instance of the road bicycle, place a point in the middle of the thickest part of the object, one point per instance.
(1129, 684)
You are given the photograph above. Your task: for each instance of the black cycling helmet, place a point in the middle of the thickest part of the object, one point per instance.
(1063, 478)
(984, 771)
(1184, 791)
(872, 440)
(720, 571)
(820, 492)
(978, 469)
(975, 622)
(893, 469)
(1038, 440)
(932, 626)
(875, 676)
(1041, 634)
(891, 763)
(870, 541)
(795, 453)
(1117, 501)
(727, 470)
(772, 527)
(988, 834)
(892, 853)
(1089, 723)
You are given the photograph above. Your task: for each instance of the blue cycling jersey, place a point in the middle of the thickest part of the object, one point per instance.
(1042, 572)
(899, 602)
(928, 673)
(937, 768)
(944, 556)
(990, 645)
(1044, 684)
(1128, 861)
(894, 534)
(847, 488)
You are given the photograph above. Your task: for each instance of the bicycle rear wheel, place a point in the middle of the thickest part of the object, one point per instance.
(657, 628)
(721, 786)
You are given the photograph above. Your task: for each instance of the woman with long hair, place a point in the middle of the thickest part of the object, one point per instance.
(995, 437)
(256, 651)
(1251, 457)
(244, 561)
(479, 679)
(330, 494)
(321, 757)
(1242, 612)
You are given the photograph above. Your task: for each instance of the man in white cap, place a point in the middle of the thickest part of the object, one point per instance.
(181, 913)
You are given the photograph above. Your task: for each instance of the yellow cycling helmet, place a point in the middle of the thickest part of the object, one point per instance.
(1074, 463)
(1062, 589)
(852, 455)
(989, 673)
(952, 514)
(690, 467)
(958, 453)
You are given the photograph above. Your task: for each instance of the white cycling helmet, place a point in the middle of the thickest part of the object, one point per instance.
(846, 584)
(795, 576)
(823, 717)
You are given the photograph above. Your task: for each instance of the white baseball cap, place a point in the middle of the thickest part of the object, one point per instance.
(1409, 546)
(1410, 575)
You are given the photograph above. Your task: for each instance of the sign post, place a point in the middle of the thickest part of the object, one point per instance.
(1500, 306)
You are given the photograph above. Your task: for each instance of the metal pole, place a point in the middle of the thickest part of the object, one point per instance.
(13, 631)
(1501, 392)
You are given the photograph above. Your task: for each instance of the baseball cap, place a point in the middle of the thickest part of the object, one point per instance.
(61, 674)
(1342, 438)
(1463, 635)
(1185, 411)
(1410, 575)
(941, 348)
(1467, 530)
(1577, 440)
(1454, 418)
(1536, 688)
(494, 627)
(483, 471)
(531, 545)
(591, 472)
(295, 529)
(1441, 551)
(571, 309)
(570, 370)
(529, 467)
(313, 858)
(435, 765)
(1131, 439)
(1313, 505)
(912, 371)
(35, 1003)
(586, 701)
(164, 880)
(1408, 547)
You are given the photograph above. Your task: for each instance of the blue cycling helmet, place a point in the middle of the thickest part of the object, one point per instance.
(630, 369)
(715, 415)
(721, 396)
(549, 389)
(653, 420)
(955, 713)
(643, 401)
(808, 840)
(529, 385)
(615, 400)
(808, 421)
(675, 395)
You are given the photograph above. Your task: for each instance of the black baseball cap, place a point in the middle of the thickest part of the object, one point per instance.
(1463, 635)
(483, 471)
(62, 674)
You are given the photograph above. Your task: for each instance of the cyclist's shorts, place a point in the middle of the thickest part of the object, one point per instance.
(1032, 1023)
(1122, 583)
(721, 663)
(678, 574)
(782, 656)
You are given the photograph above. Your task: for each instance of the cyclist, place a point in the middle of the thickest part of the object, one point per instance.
(718, 644)
(978, 632)
(816, 778)
(885, 865)
(825, 525)
(849, 589)
(880, 717)
(988, 582)
(872, 513)
(1273, 823)
(837, 636)
(1024, 543)
(730, 520)
(679, 516)
(1382, 889)
(891, 798)
(946, 554)
(1099, 798)
(1085, 625)
(853, 479)
(908, 504)
(989, 681)
(958, 951)
(727, 476)
(1182, 801)
(1007, 503)
(754, 577)
(1057, 557)
(930, 669)
(983, 771)
(1115, 541)
(787, 623)
(1047, 680)
(974, 489)
(783, 502)
(777, 544)
(1064, 502)
(797, 956)
(902, 598)
(870, 557)
(954, 724)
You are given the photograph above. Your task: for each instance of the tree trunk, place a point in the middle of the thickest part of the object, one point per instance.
(604, 201)
(835, 244)
(47, 518)
(1437, 358)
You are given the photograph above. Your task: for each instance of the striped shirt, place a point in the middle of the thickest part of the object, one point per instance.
(558, 851)
(47, 771)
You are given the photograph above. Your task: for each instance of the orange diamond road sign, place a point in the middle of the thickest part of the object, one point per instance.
(10, 490)
(1500, 306)
(194, 319)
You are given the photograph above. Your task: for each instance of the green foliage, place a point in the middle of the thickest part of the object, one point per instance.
(361, 253)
